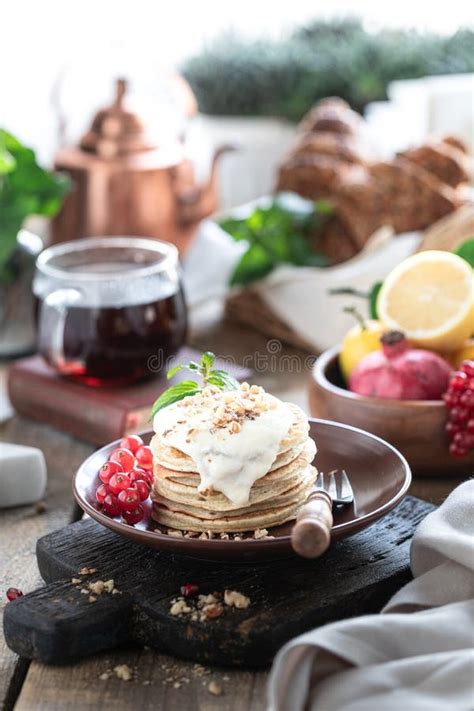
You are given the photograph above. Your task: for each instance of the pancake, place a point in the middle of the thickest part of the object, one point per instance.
(191, 477)
(295, 494)
(227, 524)
(230, 461)
(267, 487)
(177, 461)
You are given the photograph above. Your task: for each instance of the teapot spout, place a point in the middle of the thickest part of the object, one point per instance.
(200, 201)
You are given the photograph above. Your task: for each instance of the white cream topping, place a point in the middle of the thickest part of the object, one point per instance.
(232, 437)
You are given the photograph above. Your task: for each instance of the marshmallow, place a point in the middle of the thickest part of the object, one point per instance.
(22, 475)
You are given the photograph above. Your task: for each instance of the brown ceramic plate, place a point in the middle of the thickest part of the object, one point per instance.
(380, 478)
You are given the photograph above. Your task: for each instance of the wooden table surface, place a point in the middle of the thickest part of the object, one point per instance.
(159, 682)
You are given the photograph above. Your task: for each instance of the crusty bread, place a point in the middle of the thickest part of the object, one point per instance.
(311, 176)
(324, 143)
(336, 240)
(397, 193)
(333, 115)
(411, 192)
(446, 162)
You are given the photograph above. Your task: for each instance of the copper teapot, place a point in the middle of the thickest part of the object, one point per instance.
(123, 185)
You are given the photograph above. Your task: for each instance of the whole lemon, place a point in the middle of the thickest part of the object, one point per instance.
(361, 339)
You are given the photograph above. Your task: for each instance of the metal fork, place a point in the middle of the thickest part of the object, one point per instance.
(336, 483)
(311, 534)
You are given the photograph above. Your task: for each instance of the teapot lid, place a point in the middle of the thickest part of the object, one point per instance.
(115, 131)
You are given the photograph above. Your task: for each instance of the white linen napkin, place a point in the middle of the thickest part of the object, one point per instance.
(417, 655)
(209, 262)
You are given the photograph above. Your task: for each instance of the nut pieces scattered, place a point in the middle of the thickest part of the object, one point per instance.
(210, 612)
(123, 671)
(214, 688)
(258, 534)
(179, 607)
(172, 673)
(100, 586)
(203, 608)
(232, 598)
(95, 588)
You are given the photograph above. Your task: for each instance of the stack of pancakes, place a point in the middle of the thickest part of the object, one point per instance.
(274, 498)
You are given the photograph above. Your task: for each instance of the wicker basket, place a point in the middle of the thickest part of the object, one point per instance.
(248, 308)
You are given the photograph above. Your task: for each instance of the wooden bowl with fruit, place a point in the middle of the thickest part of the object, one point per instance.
(408, 376)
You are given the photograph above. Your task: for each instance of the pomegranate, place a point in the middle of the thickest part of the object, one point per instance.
(399, 372)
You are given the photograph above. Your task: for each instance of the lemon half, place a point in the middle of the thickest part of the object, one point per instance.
(430, 297)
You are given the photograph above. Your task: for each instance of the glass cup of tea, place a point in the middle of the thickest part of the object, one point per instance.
(109, 309)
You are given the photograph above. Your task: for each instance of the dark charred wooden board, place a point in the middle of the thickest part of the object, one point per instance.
(57, 623)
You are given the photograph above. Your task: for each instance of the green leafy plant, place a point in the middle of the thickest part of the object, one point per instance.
(204, 371)
(235, 76)
(25, 189)
(284, 232)
(466, 251)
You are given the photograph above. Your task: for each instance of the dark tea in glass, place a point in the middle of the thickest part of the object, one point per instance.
(110, 311)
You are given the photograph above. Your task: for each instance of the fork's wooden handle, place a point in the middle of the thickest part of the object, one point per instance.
(311, 533)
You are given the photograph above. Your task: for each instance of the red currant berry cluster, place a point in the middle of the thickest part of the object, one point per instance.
(459, 399)
(126, 479)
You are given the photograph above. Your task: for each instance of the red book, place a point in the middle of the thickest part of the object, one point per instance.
(97, 415)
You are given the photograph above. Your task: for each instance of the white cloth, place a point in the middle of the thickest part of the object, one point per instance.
(209, 263)
(417, 655)
(288, 290)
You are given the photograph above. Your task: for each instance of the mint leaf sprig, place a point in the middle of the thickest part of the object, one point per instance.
(287, 231)
(204, 370)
